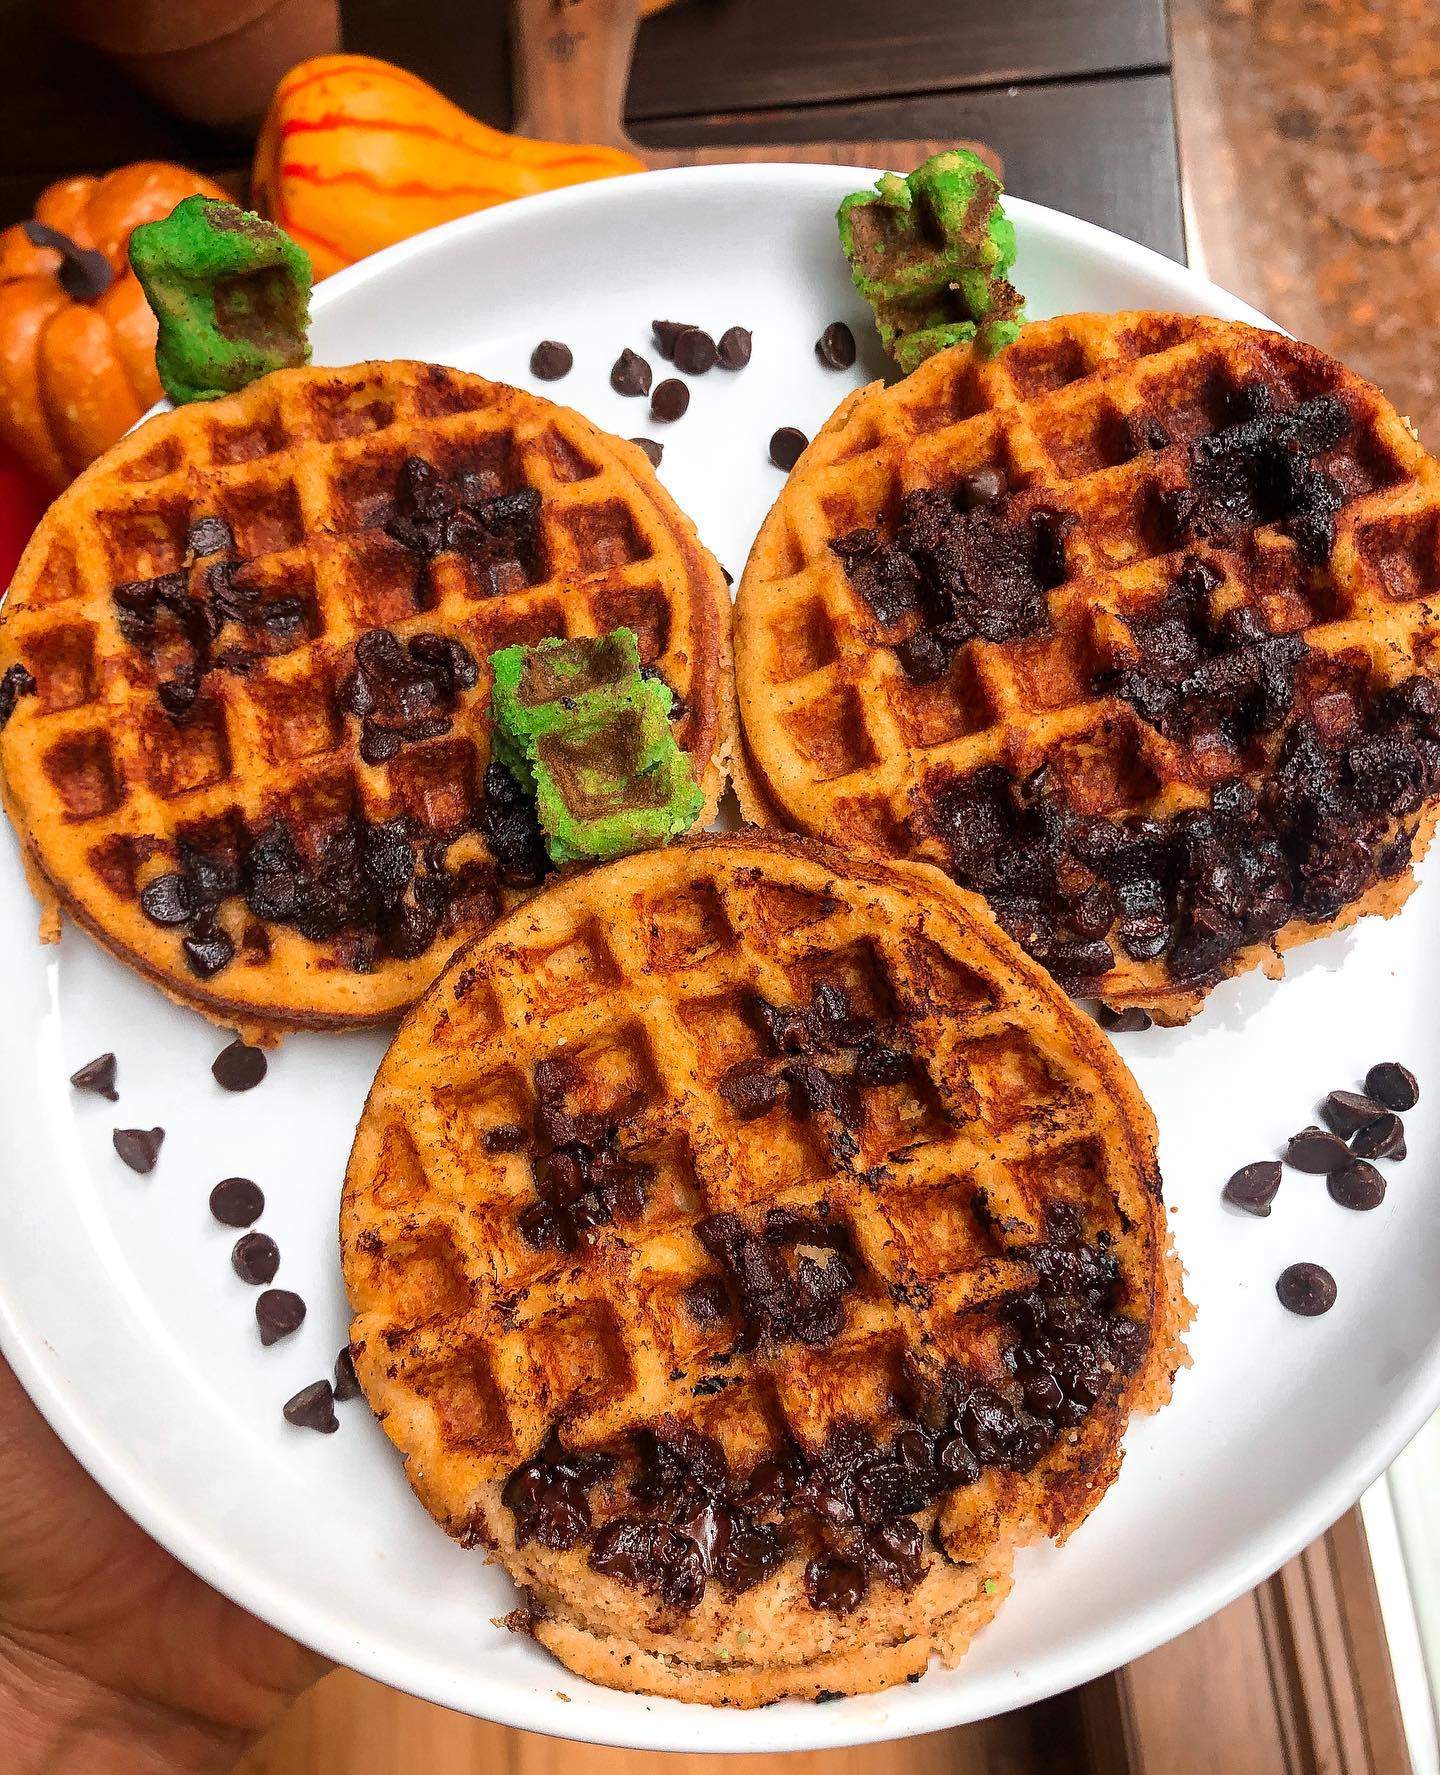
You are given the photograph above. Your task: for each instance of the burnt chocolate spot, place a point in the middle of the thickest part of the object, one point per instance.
(776, 1299)
(511, 827)
(581, 1179)
(960, 567)
(1260, 468)
(498, 535)
(404, 692)
(15, 683)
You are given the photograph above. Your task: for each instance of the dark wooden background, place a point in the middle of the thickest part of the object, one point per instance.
(1075, 94)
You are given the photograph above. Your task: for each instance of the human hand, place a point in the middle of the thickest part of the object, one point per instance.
(113, 1657)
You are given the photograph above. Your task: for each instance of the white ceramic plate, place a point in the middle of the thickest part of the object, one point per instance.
(118, 1305)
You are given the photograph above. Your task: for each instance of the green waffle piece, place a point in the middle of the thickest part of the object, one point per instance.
(931, 254)
(579, 725)
(231, 295)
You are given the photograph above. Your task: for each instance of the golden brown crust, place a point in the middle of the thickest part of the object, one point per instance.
(303, 466)
(839, 742)
(473, 1341)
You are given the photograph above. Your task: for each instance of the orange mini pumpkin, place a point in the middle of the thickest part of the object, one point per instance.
(355, 154)
(77, 340)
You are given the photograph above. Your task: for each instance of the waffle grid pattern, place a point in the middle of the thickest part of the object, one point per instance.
(304, 469)
(471, 1345)
(847, 747)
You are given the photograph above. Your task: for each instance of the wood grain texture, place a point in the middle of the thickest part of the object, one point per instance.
(717, 55)
(1293, 1679)
(347, 1726)
(1101, 149)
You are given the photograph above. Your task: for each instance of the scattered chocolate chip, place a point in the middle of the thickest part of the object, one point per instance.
(551, 360)
(313, 1408)
(1307, 1289)
(652, 449)
(734, 348)
(1313, 1149)
(669, 401)
(97, 1075)
(255, 1259)
(169, 900)
(139, 1147)
(1254, 1187)
(667, 332)
(630, 374)
(983, 487)
(1347, 1111)
(239, 1067)
(236, 1201)
(787, 446)
(1384, 1138)
(1393, 1085)
(347, 1382)
(1356, 1185)
(835, 347)
(278, 1312)
(1125, 1022)
(695, 352)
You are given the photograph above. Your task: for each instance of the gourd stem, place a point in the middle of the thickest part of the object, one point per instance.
(84, 272)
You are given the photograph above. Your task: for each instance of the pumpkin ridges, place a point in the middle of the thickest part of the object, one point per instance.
(133, 328)
(142, 192)
(25, 305)
(74, 352)
(312, 175)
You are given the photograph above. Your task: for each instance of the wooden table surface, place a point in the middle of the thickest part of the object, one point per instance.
(1077, 97)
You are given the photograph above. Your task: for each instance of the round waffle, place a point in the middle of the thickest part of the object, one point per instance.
(751, 1248)
(244, 729)
(1133, 629)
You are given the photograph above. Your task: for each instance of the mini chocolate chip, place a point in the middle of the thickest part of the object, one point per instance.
(667, 332)
(835, 347)
(1393, 1085)
(236, 1201)
(1345, 1111)
(209, 954)
(1254, 1187)
(734, 348)
(983, 487)
(278, 1312)
(1356, 1185)
(313, 1408)
(695, 352)
(210, 536)
(347, 1382)
(551, 360)
(239, 1067)
(97, 1075)
(669, 401)
(168, 900)
(1307, 1289)
(139, 1147)
(1125, 1022)
(255, 1259)
(630, 374)
(1384, 1138)
(787, 446)
(651, 448)
(1313, 1149)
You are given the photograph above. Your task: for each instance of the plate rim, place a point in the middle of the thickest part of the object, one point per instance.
(898, 1713)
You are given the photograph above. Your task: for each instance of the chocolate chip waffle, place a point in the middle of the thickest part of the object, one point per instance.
(751, 1248)
(1134, 630)
(244, 730)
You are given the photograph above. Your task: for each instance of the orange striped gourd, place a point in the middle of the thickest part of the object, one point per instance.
(355, 154)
